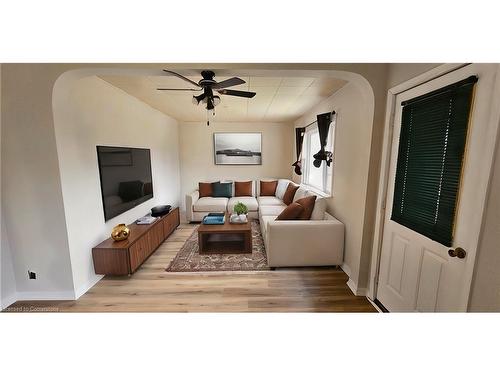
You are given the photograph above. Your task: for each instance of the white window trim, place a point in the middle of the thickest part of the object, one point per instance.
(315, 190)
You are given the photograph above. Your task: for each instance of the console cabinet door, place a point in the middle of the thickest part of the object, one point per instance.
(170, 222)
(156, 235)
(167, 227)
(139, 251)
(175, 218)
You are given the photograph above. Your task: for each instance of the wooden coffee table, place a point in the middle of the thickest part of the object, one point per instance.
(225, 239)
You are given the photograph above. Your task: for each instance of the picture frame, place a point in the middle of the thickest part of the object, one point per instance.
(237, 148)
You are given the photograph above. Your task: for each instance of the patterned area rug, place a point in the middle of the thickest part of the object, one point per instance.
(188, 259)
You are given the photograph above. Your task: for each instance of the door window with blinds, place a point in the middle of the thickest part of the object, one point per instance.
(319, 178)
(430, 157)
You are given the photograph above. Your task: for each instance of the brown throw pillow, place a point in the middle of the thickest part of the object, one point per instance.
(308, 204)
(290, 193)
(292, 212)
(205, 189)
(268, 187)
(243, 189)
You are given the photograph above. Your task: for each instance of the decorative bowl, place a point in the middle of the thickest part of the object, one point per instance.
(120, 232)
(238, 219)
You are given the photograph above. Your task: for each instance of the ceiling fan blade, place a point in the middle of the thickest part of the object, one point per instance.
(161, 89)
(181, 77)
(243, 94)
(228, 83)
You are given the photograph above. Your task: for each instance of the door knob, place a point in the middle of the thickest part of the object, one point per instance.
(458, 252)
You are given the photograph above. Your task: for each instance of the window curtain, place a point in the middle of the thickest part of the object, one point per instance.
(324, 121)
(299, 140)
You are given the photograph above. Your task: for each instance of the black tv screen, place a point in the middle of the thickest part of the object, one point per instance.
(126, 180)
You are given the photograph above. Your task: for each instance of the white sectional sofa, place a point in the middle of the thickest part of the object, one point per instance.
(197, 208)
(289, 243)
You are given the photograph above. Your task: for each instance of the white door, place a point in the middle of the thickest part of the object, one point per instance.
(417, 273)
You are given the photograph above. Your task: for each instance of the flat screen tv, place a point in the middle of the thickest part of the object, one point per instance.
(126, 181)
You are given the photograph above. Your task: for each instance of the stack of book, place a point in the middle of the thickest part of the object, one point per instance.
(145, 220)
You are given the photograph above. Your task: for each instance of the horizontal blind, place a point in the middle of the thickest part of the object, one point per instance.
(431, 149)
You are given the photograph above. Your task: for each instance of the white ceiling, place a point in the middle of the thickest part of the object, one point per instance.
(278, 99)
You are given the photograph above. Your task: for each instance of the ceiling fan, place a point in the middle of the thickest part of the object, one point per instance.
(208, 85)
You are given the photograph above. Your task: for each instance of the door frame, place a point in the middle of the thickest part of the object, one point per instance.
(493, 123)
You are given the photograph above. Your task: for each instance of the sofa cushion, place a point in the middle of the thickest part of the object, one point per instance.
(271, 210)
(263, 225)
(250, 202)
(291, 212)
(210, 204)
(319, 209)
(205, 189)
(268, 188)
(243, 189)
(300, 193)
(269, 201)
(281, 188)
(290, 193)
(222, 189)
(308, 204)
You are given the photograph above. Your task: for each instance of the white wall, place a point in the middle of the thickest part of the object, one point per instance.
(8, 290)
(7, 278)
(399, 73)
(485, 290)
(197, 153)
(354, 123)
(90, 112)
(33, 212)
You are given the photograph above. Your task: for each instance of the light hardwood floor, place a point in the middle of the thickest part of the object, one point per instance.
(151, 289)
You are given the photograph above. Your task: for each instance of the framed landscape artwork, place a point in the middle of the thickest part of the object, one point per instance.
(238, 148)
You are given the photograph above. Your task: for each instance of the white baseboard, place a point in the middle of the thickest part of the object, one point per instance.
(83, 289)
(346, 269)
(352, 284)
(44, 296)
(354, 288)
(7, 301)
(41, 296)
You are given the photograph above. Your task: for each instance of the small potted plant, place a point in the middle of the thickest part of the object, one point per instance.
(241, 210)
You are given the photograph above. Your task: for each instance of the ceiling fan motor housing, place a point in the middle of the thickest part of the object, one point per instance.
(208, 79)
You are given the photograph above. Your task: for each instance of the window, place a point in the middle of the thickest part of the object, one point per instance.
(431, 149)
(318, 178)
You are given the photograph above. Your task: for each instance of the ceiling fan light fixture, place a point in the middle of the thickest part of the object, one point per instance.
(216, 100)
(199, 98)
